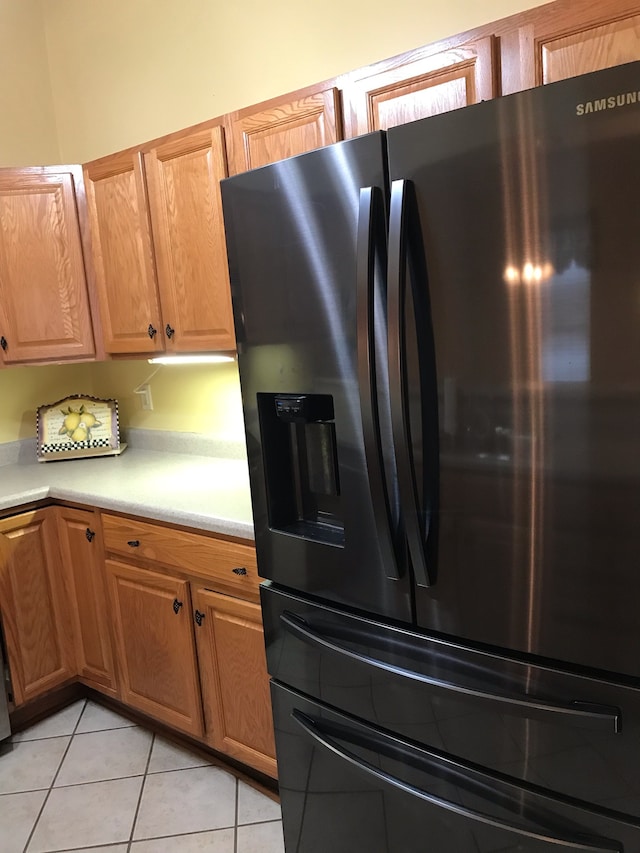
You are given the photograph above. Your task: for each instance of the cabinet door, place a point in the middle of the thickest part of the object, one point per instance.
(155, 645)
(576, 41)
(417, 86)
(123, 254)
(283, 128)
(33, 603)
(44, 310)
(83, 563)
(235, 683)
(186, 212)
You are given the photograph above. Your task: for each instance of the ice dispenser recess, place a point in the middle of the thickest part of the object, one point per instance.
(301, 465)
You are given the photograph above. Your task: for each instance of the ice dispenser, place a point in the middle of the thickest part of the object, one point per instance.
(301, 465)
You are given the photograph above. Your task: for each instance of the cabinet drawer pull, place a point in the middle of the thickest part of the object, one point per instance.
(152, 332)
(169, 331)
(176, 606)
(89, 533)
(133, 543)
(239, 570)
(199, 617)
(3, 343)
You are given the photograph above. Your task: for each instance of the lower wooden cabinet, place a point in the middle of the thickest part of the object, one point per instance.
(83, 564)
(164, 619)
(235, 684)
(34, 604)
(156, 648)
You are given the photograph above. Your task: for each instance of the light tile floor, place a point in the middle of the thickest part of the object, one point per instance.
(87, 779)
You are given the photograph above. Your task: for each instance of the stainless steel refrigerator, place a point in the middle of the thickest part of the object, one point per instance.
(439, 348)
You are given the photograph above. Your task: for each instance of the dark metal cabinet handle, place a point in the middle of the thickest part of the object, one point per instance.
(239, 570)
(176, 606)
(169, 331)
(133, 543)
(198, 617)
(89, 533)
(3, 343)
(152, 332)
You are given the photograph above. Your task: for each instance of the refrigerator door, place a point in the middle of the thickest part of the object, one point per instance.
(529, 217)
(306, 241)
(346, 785)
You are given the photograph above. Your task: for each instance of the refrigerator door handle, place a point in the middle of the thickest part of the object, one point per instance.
(378, 743)
(592, 713)
(371, 243)
(404, 251)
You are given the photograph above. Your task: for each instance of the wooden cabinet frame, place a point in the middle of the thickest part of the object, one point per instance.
(283, 127)
(420, 84)
(82, 564)
(235, 684)
(123, 254)
(156, 647)
(48, 301)
(34, 605)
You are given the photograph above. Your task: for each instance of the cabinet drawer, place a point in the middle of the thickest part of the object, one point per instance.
(229, 566)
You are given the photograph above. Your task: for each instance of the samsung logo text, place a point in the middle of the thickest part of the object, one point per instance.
(609, 103)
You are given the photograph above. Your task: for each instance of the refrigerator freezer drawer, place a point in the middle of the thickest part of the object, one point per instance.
(566, 732)
(349, 787)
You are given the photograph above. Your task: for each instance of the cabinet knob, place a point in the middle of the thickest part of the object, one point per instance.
(239, 570)
(169, 331)
(89, 533)
(3, 343)
(198, 617)
(176, 606)
(152, 332)
(133, 543)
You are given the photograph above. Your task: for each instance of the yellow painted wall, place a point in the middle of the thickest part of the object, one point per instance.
(23, 389)
(28, 133)
(203, 398)
(125, 71)
(187, 398)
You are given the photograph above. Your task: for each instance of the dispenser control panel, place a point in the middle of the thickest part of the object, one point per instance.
(304, 408)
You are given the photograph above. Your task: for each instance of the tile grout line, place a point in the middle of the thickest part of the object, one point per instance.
(53, 781)
(144, 779)
(128, 843)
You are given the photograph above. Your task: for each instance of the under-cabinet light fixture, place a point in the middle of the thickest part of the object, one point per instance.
(211, 358)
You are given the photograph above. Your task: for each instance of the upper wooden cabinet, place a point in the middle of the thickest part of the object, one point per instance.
(123, 254)
(283, 127)
(44, 306)
(161, 260)
(416, 86)
(186, 213)
(564, 40)
(34, 605)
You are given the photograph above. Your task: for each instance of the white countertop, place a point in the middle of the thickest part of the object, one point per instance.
(195, 491)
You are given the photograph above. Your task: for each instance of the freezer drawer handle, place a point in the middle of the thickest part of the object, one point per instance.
(371, 246)
(585, 843)
(585, 711)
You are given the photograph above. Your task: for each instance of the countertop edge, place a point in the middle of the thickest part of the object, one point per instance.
(20, 492)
